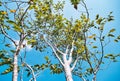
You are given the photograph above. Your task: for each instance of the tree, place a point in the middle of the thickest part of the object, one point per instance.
(15, 20)
(74, 42)
(18, 21)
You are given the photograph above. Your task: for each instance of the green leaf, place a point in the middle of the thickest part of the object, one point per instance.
(95, 47)
(18, 29)
(0, 3)
(111, 35)
(99, 21)
(118, 37)
(31, 41)
(1, 55)
(5, 62)
(11, 22)
(46, 58)
(112, 30)
(7, 45)
(15, 26)
(116, 40)
(13, 51)
(110, 17)
(43, 66)
(28, 74)
(112, 58)
(8, 70)
(97, 16)
(94, 38)
(109, 54)
(90, 70)
(106, 56)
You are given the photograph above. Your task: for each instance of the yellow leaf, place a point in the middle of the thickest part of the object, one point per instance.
(90, 37)
(86, 20)
(12, 11)
(3, 12)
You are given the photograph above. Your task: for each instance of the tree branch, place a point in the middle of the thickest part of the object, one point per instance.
(75, 62)
(84, 4)
(71, 52)
(23, 14)
(102, 51)
(67, 49)
(58, 50)
(83, 78)
(6, 35)
(53, 50)
(34, 78)
(36, 75)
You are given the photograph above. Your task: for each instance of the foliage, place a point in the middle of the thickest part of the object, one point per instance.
(89, 36)
(17, 21)
(90, 45)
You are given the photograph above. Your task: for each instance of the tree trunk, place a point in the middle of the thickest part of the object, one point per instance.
(68, 72)
(94, 77)
(15, 68)
(15, 65)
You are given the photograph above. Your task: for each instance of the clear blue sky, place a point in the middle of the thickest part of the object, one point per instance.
(102, 7)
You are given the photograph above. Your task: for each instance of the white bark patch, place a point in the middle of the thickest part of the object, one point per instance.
(68, 72)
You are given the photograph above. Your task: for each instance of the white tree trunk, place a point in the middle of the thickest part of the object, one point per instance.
(15, 65)
(67, 68)
(68, 73)
(15, 68)
(66, 59)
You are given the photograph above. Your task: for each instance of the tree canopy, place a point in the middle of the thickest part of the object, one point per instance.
(78, 44)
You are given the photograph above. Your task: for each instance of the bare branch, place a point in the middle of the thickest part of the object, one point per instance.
(75, 62)
(71, 52)
(102, 52)
(67, 49)
(27, 65)
(36, 75)
(58, 50)
(84, 4)
(6, 35)
(53, 50)
(83, 78)
(23, 15)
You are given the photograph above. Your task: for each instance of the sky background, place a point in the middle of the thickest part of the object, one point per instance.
(102, 7)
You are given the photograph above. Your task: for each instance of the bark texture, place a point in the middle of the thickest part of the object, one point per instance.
(68, 73)
(15, 65)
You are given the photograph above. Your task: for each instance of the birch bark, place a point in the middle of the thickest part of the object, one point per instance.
(15, 65)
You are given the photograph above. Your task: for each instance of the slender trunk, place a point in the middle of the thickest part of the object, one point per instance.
(68, 73)
(15, 65)
(15, 68)
(94, 77)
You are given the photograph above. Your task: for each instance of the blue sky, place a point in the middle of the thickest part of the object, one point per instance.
(102, 7)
